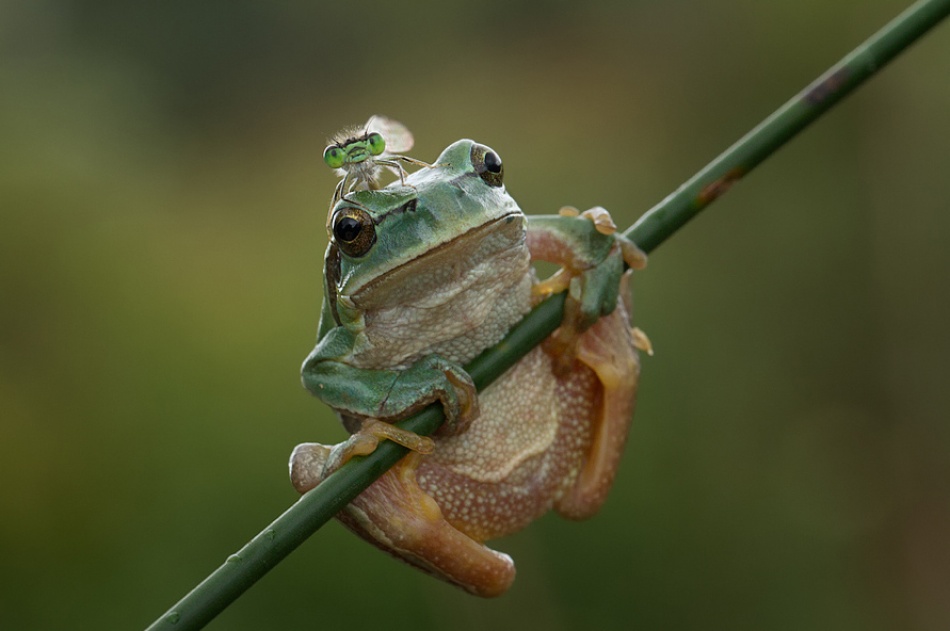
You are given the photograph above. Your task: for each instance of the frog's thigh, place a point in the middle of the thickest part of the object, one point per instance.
(607, 348)
(398, 517)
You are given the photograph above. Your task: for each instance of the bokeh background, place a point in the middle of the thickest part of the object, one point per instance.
(162, 203)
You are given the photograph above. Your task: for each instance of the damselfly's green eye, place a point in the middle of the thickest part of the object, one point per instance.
(334, 156)
(377, 144)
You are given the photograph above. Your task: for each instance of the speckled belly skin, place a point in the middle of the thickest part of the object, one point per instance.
(535, 456)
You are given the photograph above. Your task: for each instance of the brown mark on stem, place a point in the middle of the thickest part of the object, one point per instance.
(716, 188)
(823, 88)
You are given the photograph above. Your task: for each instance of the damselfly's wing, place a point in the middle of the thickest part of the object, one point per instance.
(397, 136)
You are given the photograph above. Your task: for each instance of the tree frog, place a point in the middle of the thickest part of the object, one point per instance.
(420, 277)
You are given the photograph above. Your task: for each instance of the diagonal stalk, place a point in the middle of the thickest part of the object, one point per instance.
(281, 537)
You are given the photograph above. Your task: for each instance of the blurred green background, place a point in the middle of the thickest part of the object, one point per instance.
(162, 202)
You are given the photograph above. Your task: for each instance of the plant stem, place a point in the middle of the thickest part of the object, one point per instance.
(283, 535)
(837, 82)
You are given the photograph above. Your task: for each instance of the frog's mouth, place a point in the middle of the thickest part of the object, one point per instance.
(448, 267)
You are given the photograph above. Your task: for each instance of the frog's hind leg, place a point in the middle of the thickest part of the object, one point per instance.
(397, 516)
(607, 348)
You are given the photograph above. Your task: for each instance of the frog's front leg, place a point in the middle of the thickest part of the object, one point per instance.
(397, 516)
(388, 394)
(592, 256)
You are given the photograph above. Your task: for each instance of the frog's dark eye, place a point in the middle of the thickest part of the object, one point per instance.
(488, 165)
(354, 231)
(493, 162)
(377, 144)
(334, 156)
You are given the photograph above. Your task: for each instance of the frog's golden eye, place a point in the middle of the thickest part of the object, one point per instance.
(488, 165)
(354, 231)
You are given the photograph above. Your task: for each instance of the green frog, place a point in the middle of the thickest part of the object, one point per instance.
(420, 278)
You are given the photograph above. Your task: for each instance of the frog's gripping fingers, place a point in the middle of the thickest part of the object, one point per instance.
(410, 440)
(311, 463)
(465, 394)
(365, 441)
(597, 289)
(633, 256)
(592, 294)
(591, 252)
(434, 378)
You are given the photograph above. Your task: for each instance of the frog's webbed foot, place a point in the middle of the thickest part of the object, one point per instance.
(592, 260)
(430, 379)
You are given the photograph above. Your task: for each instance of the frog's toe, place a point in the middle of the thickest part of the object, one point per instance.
(365, 441)
(359, 444)
(410, 440)
(306, 465)
(641, 341)
(556, 283)
(603, 222)
(633, 256)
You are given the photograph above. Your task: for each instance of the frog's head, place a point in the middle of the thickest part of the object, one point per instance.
(402, 242)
